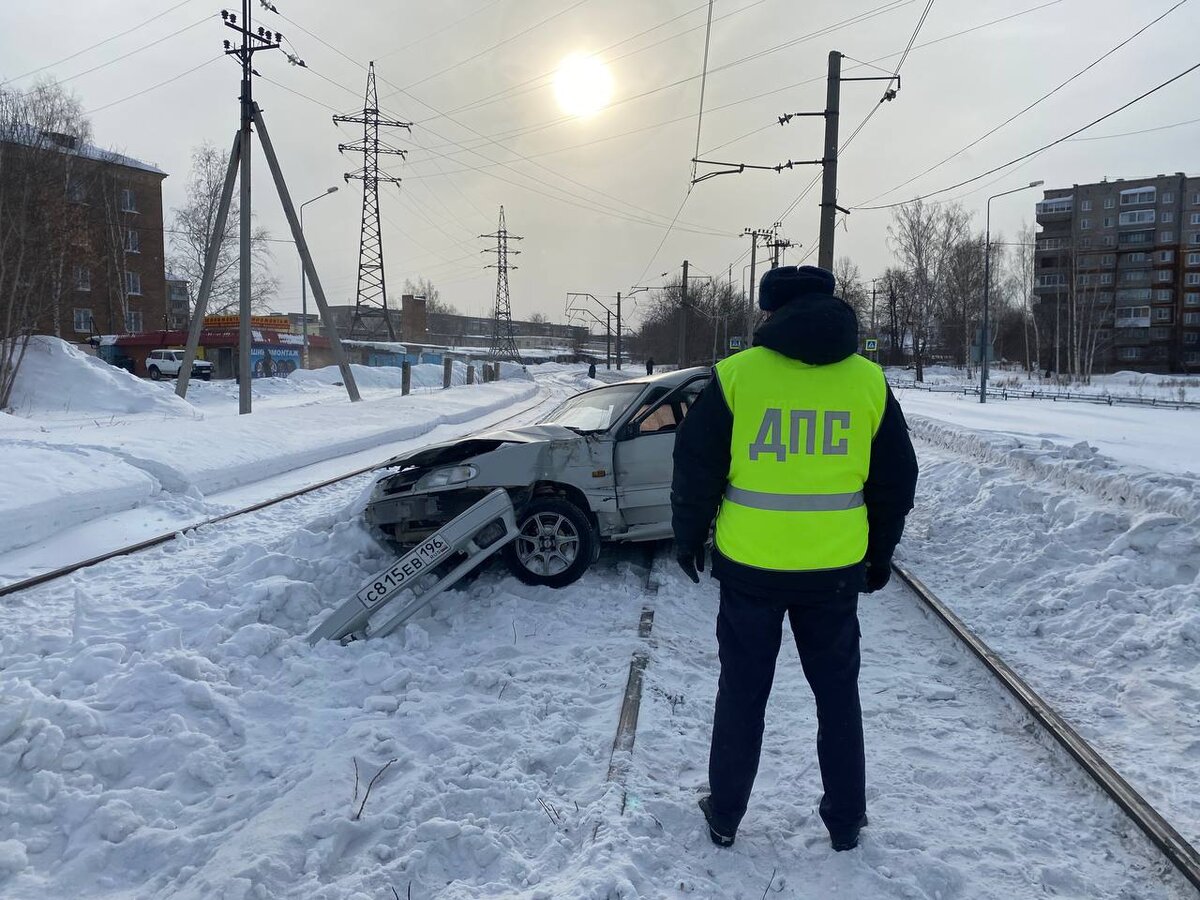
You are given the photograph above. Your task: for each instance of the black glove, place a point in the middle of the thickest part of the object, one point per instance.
(878, 575)
(690, 559)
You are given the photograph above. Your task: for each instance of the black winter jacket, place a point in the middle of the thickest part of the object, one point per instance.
(818, 329)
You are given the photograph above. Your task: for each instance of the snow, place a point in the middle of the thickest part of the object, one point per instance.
(1134, 385)
(166, 731)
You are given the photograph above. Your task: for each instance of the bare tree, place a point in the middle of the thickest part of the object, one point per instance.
(1087, 313)
(423, 287)
(192, 236)
(1020, 287)
(896, 291)
(38, 222)
(850, 288)
(923, 236)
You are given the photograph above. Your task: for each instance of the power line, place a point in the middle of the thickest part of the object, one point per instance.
(1105, 137)
(1044, 97)
(471, 15)
(1044, 147)
(135, 51)
(110, 38)
(155, 87)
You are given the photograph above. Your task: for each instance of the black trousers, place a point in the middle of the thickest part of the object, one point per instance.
(749, 632)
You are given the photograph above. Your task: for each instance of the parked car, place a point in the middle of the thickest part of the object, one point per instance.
(167, 363)
(596, 469)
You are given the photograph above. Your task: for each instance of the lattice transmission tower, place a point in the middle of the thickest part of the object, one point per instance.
(504, 343)
(371, 300)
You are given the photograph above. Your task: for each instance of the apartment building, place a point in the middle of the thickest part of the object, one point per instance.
(1117, 273)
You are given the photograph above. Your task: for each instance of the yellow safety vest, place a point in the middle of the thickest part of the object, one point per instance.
(800, 454)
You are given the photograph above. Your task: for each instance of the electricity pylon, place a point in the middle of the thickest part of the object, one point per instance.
(371, 299)
(504, 343)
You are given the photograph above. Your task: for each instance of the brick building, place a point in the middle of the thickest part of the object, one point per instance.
(113, 277)
(1117, 272)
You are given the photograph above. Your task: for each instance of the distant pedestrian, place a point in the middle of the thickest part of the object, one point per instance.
(799, 449)
(650, 365)
(592, 370)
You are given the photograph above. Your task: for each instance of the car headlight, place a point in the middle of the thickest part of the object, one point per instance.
(440, 478)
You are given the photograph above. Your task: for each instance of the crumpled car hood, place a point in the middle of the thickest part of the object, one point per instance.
(464, 448)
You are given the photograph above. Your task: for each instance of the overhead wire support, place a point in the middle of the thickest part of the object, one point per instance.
(504, 342)
(371, 300)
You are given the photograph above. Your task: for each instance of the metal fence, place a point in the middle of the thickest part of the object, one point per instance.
(1008, 393)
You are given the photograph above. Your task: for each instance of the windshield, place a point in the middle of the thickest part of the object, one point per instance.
(596, 410)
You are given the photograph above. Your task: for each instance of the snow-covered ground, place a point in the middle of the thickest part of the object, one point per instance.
(166, 731)
(1136, 385)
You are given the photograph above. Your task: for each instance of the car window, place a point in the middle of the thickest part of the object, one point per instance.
(595, 410)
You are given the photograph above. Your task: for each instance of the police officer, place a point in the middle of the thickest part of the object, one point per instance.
(802, 454)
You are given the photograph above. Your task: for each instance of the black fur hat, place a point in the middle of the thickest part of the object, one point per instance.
(779, 286)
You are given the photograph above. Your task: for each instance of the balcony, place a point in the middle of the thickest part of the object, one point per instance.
(1056, 209)
(1136, 239)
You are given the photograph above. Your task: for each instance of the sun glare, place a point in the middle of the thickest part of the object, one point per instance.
(582, 85)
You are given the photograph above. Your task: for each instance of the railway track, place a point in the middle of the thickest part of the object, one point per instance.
(167, 537)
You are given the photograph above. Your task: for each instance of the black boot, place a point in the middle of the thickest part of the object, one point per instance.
(847, 839)
(720, 832)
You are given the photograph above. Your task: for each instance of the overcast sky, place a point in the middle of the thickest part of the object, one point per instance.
(593, 196)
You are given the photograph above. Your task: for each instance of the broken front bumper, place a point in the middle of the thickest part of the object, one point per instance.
(406, 518)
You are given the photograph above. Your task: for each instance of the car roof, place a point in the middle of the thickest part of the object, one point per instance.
(670, 379)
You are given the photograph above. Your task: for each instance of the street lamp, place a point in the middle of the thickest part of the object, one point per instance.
(987, 285)
(304, 284)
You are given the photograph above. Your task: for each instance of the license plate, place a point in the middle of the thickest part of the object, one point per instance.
(406, 569)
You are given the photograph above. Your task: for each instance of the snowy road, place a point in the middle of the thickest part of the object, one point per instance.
(171, 734)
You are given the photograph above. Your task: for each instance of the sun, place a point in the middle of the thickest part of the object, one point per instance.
(582, 85)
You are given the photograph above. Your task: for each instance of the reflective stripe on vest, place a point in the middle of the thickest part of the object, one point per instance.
(794, 502)
(800, 452)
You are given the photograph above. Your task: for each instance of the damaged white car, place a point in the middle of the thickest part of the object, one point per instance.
(596, 469)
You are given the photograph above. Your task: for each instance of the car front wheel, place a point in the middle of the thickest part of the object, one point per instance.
(555, 543)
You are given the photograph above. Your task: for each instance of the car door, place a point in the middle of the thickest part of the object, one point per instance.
(642, 459)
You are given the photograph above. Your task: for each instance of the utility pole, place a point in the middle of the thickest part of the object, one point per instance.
(754, 235)
(683, 311)
(504, 342)
(253, 41)
(372, 289)
(618, 331)
(874, 283)
(833, 93)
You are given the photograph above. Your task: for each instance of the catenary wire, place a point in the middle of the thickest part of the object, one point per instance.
(113, 37)
(1044, 147)
(1044, 97)
(154, 87)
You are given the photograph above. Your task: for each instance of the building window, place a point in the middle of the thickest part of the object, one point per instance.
(1168, 197)
(1194, 240)
(128, 201)
(1085, 224)
(83, 321)
(1108, 221)
(1138, 257)
(1134, 295)
(1166, 237)
(1110, 241)
(133, 284)
(1193, 259)
(1164, 275)
(1086, 206)
(133, 241)
(1085, 243)
(1191, 299)
(1163, 313)
(1135, 275)
(1107, 259)
(1136, 196)
(76, 191)
(1191, 279)
(1109, 202)
(1162, 295)
(1137, 217)
(1166, 256)
(83, 279)
(1160, 334)
(1129, 352)
(133, 321)
(1057, 205)
(1058, 280)
(1191, 358)
(1191, 337)
(1191, 318)
(1106, 278)
(1167, 216)
(1134, 312)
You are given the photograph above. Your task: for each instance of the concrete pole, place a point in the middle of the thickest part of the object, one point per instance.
(833, 91)
(447, 372)
(618, 331)
(405, 378)
(470, 373)
(210, 267)
(244, 334)
(750, 305)
(683, 308)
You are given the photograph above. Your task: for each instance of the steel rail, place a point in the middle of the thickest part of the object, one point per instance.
(1173, 845)
(158, 540)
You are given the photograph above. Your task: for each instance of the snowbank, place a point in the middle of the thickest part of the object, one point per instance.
(57, 380)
